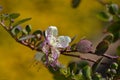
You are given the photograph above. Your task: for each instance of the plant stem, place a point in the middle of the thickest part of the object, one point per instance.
(33, 47)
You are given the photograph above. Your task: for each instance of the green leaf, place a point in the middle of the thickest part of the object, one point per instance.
(96, 65)
(114, 28)
(21, 21)
(73, 67)
(114, 65)
(38, 33)
(109, 37)
(87, 72)
(82, 64)
(104, 16)
(16, 30)
(102, 47)
(65, 71)
(14, 15)
(24, 32)
(97, 76)
(78, 77)
(28, 28)
(75, 3)
(113, 9)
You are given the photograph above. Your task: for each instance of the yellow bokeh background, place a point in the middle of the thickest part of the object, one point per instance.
(16, 61)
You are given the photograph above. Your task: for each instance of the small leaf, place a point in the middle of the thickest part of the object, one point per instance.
(104, 16)
(14, 15)
(16, 30)
(21, 21)
(87, 72)
(73, 67)
(114, 65)
(96, 65)
(75, 3)
(113, 8)
(82, 64)
(24, 32)
(97, 76)
(78, 77)
(109, 37)
(65, 71)
(38, 33)
(102, 47)
(26, 37)
(28, 28)
(114, 28)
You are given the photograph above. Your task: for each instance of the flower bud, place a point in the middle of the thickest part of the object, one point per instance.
(84, 46)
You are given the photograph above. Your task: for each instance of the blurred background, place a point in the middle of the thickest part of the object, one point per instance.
(17, 61)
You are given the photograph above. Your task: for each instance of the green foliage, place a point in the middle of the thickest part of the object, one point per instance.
(102, 47)
(28, 28)
(65, 71)
(87, 72)
(16, 30)
(97, 76)
(109, 37)
(104, 16)
(114, 28)
(113, 9)
(21, 21)
(14, 15)
(38, 34)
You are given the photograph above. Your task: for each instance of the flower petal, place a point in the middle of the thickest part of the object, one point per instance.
(51, 31)
(55, 53)
(45, 48)
(63, 41)
(51, 41)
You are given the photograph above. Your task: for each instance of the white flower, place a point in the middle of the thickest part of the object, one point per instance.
(52, 37)
(52, 44)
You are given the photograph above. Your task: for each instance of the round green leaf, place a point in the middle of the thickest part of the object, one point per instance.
(102, 47)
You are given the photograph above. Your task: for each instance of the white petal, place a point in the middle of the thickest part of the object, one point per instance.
(51, 41)
(63, 41)
(51, 31)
